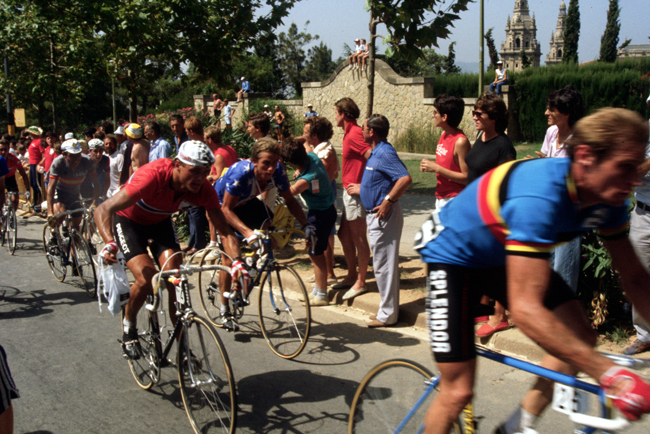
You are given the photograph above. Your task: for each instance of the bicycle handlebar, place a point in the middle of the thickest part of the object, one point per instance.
(628, 362)
(599, 423)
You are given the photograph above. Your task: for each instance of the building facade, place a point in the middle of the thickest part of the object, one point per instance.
(556, 50)
(637, 50)
(521, 33)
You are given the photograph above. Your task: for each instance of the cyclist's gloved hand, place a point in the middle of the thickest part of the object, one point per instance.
(255, 240)
(110, 248)
(633, 396)
(239, 270)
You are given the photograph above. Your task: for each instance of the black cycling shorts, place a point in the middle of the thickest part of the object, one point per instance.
(10, 184)
(324, 221)
(453, 301)
(133, 238)
(70, 201)
(253, 214)
(8, 390)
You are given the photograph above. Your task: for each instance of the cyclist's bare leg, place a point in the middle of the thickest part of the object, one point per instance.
(225, 281)
(541, 394)
(456, 390)
(173, 264)
(14, 201)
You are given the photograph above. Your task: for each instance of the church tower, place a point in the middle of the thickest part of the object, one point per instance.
(521, 33)
(557, 39)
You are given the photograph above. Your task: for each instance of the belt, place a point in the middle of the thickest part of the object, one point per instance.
(371, 211)
(643, 206)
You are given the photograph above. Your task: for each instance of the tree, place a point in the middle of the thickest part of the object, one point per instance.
(319, 65)
(292, 57)
(572, 32)
(429, 65)
(492, 50)
(410, 29)
(609, 40)
(525, 60)
(450, 61)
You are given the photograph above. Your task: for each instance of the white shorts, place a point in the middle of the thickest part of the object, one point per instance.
(352, 207)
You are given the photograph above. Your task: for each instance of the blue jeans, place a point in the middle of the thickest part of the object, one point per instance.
(565, 260)
(198, 225)
(498, 86)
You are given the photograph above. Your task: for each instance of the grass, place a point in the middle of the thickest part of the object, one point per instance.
(619, 334)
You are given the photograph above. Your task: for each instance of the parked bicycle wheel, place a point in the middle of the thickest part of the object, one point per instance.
(146, 370)
(83, 261)
(12, 230)
(206, 380)
(54, 253)
(211, 292)
(386, 396)
(284, 320)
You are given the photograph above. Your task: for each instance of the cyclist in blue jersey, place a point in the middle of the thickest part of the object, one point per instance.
(495, 238)
(238, 189)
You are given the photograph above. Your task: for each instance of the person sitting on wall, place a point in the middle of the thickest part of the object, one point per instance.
(500, 78)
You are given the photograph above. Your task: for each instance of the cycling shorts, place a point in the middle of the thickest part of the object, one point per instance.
(253, 214)
(10, 184)
(8, 390)
(70, 201)
(133, 238)
(453, 301)
(324, 221)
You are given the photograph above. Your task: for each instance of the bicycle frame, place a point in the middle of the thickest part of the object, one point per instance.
(603, 423)
(68, 219)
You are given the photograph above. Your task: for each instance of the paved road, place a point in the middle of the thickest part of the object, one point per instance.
(72, 378)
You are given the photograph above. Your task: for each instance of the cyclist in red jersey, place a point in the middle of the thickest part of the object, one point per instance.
(142, 210)
(13, 164)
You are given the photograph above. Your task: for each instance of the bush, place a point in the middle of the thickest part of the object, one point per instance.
(418, 139)
(290, 126)
(462, 85)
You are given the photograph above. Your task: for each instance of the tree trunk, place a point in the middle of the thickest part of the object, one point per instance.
(53, 77)
(371, 63)
(133, 98)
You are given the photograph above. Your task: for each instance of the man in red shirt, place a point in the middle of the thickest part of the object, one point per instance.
(142, 210)
(35, 151)
(352, 232)
(13, 164)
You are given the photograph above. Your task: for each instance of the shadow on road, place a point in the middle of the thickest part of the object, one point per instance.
(15, 303)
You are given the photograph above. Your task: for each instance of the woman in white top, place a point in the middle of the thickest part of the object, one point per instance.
(564, 108)
(500, 78)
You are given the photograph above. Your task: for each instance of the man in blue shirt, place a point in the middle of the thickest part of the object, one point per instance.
(384, 180)
(310, 112)
(177, 124)
(228, 112)
(159, 148)
(245, 88)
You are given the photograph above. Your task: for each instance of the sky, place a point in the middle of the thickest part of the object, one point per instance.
(341, 21)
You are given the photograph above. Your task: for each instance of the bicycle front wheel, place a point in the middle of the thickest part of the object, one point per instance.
(94, 239)
(54, 254)
(210, 292)
(83, 261)
(12, 230)
(285, 320)
(3, 232)
(385, 401)
(206, 380)
(146, 369)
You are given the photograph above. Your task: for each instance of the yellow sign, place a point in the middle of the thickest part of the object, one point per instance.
(19, 117)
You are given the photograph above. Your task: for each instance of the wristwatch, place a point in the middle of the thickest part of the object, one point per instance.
(389, 199)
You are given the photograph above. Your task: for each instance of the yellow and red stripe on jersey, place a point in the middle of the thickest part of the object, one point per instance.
(489, 201)
(69, 182)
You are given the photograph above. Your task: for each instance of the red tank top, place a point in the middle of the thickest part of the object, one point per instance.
(445, 158)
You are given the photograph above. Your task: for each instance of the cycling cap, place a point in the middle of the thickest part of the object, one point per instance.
(195, 153)
(133, 131)
(119, 130)
(69, 136)
(71, 146)
(95, 143)
(35, 130)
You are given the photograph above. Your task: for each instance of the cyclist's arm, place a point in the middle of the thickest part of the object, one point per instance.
(228, 238)
(295, 208)
(227, 207)
(50, 195)
(104, 216)
(634, 277)
(528, 279)
(96, 189)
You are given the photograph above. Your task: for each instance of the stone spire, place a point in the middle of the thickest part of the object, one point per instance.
(556, 50)
(521, 33)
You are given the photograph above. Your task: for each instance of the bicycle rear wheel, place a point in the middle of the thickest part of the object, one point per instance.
(146, 370)
(284, 320)
(54, 254)
(387, 394)
(83, 261)
(12, 230)
(211, 292)
(3, 232)
(206, 380)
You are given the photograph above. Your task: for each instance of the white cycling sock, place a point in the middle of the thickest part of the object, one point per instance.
(520, 421)
(214, 244)
(320, 293)
(127, 325)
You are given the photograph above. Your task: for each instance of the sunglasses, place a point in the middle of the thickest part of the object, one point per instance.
(477, 113)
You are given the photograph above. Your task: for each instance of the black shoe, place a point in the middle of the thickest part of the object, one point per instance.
(131, 344)
(229, 322)
(75, 271)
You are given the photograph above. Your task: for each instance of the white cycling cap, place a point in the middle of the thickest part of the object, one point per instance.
(69, 136)
(95, 143)
(71, 146)
(195, 153)
(119, 130)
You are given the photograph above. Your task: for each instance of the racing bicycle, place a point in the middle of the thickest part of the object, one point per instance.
(9, 226)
